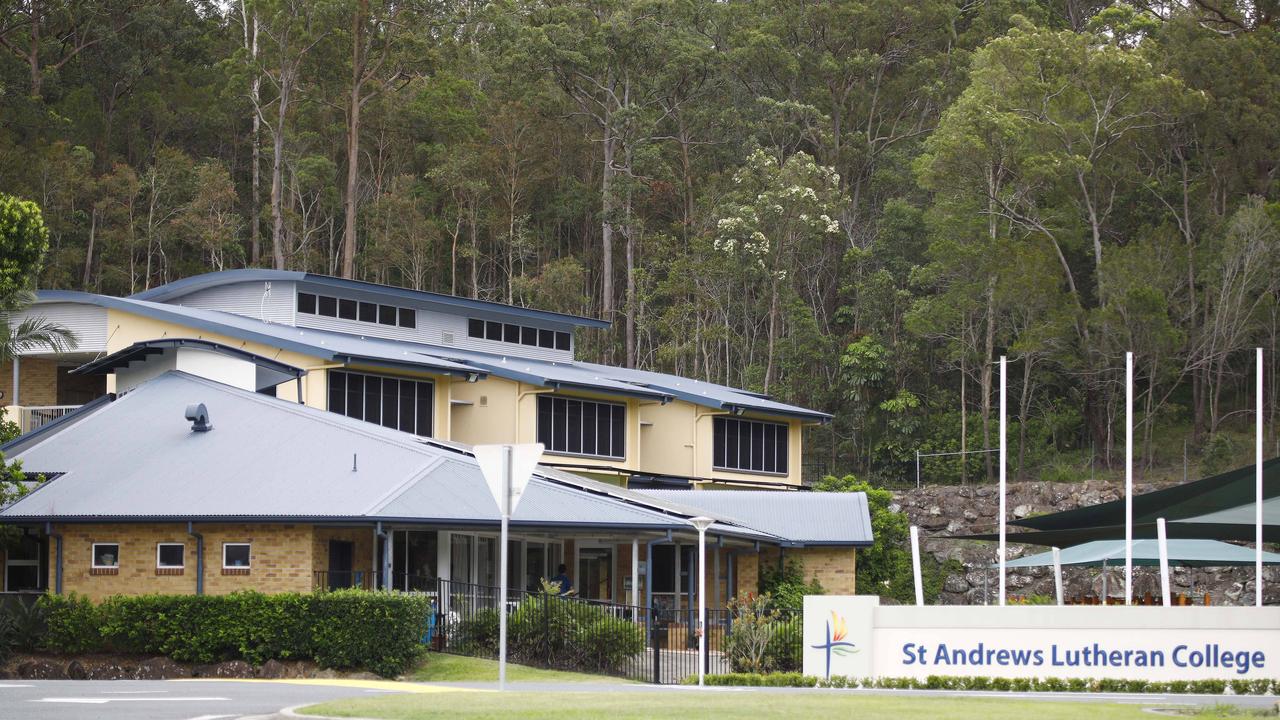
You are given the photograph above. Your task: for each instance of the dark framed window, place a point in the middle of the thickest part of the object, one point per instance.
(398, 403)
(236, 555)
(493, 330)
(511, 333)
(348, 309)
(750, 446)
(519, 334)
(562, 341)
(546, 338)
(475, 328)
(528, 336)
(582, 427)
(170, 555)
(408, 318)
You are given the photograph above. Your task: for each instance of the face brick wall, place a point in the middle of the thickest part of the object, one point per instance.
(835, 568)
(280, 560)
(38, 378)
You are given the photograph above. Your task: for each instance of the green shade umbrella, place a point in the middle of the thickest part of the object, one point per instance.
(1185, 553)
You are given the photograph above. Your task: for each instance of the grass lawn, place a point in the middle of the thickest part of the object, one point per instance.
(716, 704)
(439, 667)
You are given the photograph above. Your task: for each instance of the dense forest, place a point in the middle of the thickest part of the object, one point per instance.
(853, 205)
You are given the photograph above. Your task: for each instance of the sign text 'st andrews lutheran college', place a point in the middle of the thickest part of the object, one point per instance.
(856, 637)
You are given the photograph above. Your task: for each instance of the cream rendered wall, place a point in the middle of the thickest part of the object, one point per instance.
(216, 366)
(497, 410)
(667, 441)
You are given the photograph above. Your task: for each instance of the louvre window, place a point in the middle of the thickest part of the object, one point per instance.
(397, 403)
(519, 334)
(582, 427)
(750, 446)
(348, 309)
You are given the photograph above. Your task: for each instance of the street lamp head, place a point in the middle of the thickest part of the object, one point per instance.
(701, 522)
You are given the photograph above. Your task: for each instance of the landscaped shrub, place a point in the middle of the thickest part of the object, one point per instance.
(477, 635)
(762, 638)
(377, 631)
(946, 682)
(561, 632)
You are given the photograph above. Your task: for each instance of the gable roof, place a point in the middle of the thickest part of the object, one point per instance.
(185, 286)
(804, 519)
(266, 459)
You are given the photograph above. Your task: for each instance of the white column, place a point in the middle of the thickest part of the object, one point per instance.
(1257, 477)
(1003, 478)
(702, 523)
(1128, 478)
(1057, 574)
(915, 565)
(502, 569)
(635, 572)
(1162, 540)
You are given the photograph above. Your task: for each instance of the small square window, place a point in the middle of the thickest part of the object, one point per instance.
(170, 555)
(408, 318)
(347, 309)
(493, 331)
(562, 341)
(106, 555)
(368, 312)
(307, 303)
(546, 338)
(529, 336)
(387, 314)
(328, 306)
(511, 333)
(475, 328)
(235, 555)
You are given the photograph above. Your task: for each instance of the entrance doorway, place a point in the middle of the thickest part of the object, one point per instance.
(595, 573)
(341, 567)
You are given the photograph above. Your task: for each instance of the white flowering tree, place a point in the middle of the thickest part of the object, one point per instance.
(777, 217)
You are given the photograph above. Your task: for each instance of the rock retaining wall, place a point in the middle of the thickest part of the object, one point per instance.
(955, 510)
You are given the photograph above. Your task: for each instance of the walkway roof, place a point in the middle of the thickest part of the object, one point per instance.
(1185, 553)
(805, 519)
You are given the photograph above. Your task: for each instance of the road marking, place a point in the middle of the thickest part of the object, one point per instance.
(102, 701)
(375, 685)
(209, 717)
(134, 692)
(15, 686)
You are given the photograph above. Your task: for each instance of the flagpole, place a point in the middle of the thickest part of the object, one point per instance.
(1257, 477)
(1128, 478)
(1003, 465)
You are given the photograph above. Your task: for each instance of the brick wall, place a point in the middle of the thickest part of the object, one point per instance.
(280, 559)
(834, 567)
(38, 378)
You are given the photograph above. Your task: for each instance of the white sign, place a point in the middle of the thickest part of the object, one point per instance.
(854, 636)
(493, 459)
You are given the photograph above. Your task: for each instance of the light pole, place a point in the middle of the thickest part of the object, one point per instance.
(702, 523)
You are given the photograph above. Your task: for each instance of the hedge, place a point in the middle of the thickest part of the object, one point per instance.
(345, 629)
(949, 682)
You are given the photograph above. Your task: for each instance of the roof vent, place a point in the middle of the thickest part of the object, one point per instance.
(199, 416)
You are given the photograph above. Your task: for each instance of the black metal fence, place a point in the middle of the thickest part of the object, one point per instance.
(341, 579)
(635, 642)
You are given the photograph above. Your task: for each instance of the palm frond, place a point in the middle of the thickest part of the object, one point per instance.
(33, 333)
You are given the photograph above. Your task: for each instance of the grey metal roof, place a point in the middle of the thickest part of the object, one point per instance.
(800, 518)
(137, 459)
(143, 350)
(188, 285)
(346, 347)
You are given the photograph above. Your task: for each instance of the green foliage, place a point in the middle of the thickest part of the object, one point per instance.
(785, 586)
(569, 634)
(1002, 684)
(345, 629)
(23, 241)
(1218, 454)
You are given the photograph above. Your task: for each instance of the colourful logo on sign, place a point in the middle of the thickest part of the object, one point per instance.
(835, 643)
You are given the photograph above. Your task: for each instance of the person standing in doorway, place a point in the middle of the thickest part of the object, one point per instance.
(562, 580)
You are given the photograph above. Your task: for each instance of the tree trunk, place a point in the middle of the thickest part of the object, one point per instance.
(631, 276)
(88, 252)
(1024, 409)
(353, 140)
(606, 227)
(988, 352)
(277, 172)
(964, 425)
